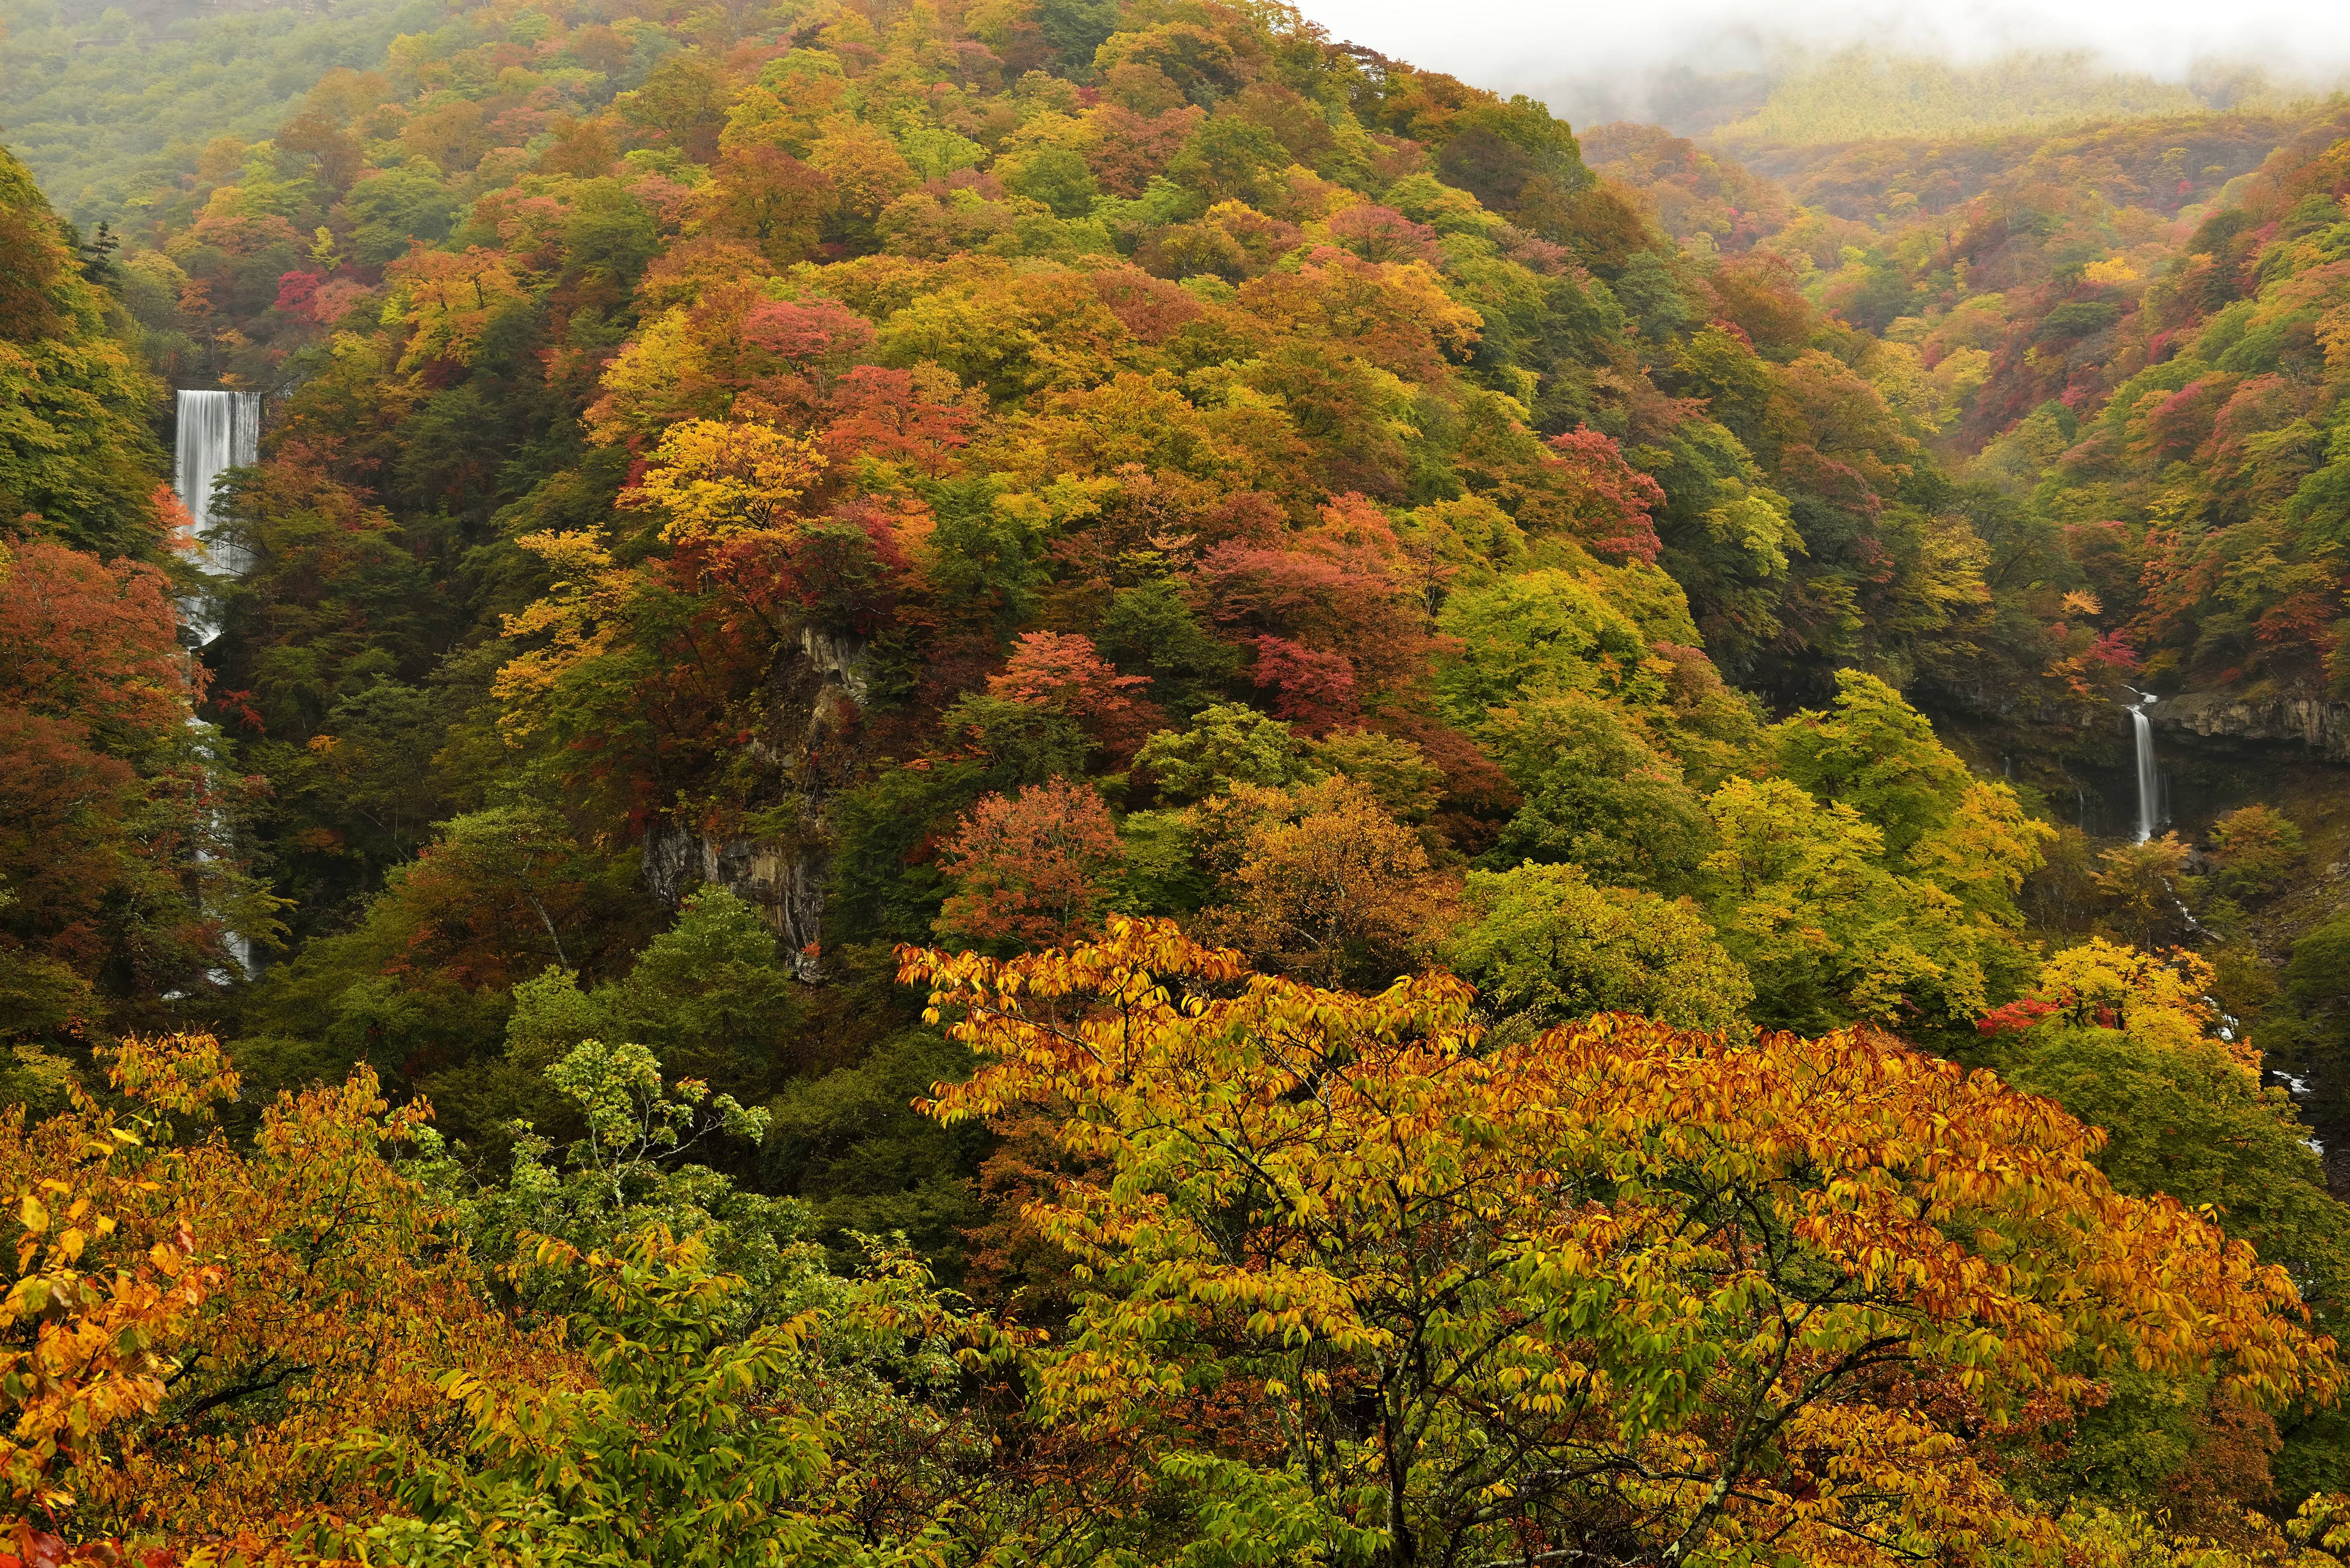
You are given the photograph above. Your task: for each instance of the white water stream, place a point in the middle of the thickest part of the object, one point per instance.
(218, 431)
(2149, 780)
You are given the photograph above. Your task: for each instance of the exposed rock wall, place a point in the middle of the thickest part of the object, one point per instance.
(2320, 728)
(783, 879)
(814, 693)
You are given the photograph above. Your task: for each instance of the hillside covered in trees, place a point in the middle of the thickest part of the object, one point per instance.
(1067, 782)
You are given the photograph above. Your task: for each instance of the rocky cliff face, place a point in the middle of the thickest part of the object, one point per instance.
(815, 694)
(2318, 727)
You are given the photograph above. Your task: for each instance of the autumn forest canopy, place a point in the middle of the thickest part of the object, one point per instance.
(1094, 783)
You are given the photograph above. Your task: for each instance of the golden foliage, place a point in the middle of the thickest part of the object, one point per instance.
(446, 302)
(193, 1326)
(717, 481)
(578, 617)
(1617, 1278)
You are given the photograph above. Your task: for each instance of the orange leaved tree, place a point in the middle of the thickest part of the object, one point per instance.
(105, 1287)
(193, 1324)
(1620, 1294)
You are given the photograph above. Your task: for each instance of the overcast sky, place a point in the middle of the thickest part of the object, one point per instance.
(1519, 43)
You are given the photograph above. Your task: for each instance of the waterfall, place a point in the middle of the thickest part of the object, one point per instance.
(2149, 783)
(218, 431)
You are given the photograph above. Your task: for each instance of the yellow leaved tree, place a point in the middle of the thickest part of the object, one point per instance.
(194, 1325)
(104, 1287)
(716, 480)
(578, 621)
(446, 303)
(2161, 1000)
(1615, 1293)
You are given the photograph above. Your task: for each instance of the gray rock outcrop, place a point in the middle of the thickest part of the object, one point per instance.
(2317, 726)
(813, 692)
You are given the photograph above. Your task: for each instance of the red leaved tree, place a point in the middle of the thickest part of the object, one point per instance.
(1064, 673)
(1313, 689)
(1036, 869)
(1608, 499)
(920, 418)
(101, 811)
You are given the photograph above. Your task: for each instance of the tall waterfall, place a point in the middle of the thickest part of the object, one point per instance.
(2149, 782)
(218, 431)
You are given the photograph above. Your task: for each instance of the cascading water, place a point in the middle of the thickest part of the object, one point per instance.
(2149, 782)
(218, 431)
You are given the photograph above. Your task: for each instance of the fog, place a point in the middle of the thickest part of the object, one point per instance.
(1599, 57)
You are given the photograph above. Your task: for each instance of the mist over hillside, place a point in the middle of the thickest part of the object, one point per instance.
(106, 103)
(1815, 73)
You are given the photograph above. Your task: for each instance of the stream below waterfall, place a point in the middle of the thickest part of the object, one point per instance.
(217, 432)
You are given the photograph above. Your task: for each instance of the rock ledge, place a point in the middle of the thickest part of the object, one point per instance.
(2320, 728)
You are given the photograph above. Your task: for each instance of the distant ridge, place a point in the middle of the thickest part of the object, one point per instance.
(107, 103)
(1797, 97)
(1862, 94)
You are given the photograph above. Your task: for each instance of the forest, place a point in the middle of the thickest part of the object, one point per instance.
(1094, 783)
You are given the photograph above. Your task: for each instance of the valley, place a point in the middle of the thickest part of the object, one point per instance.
(1100, 781)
